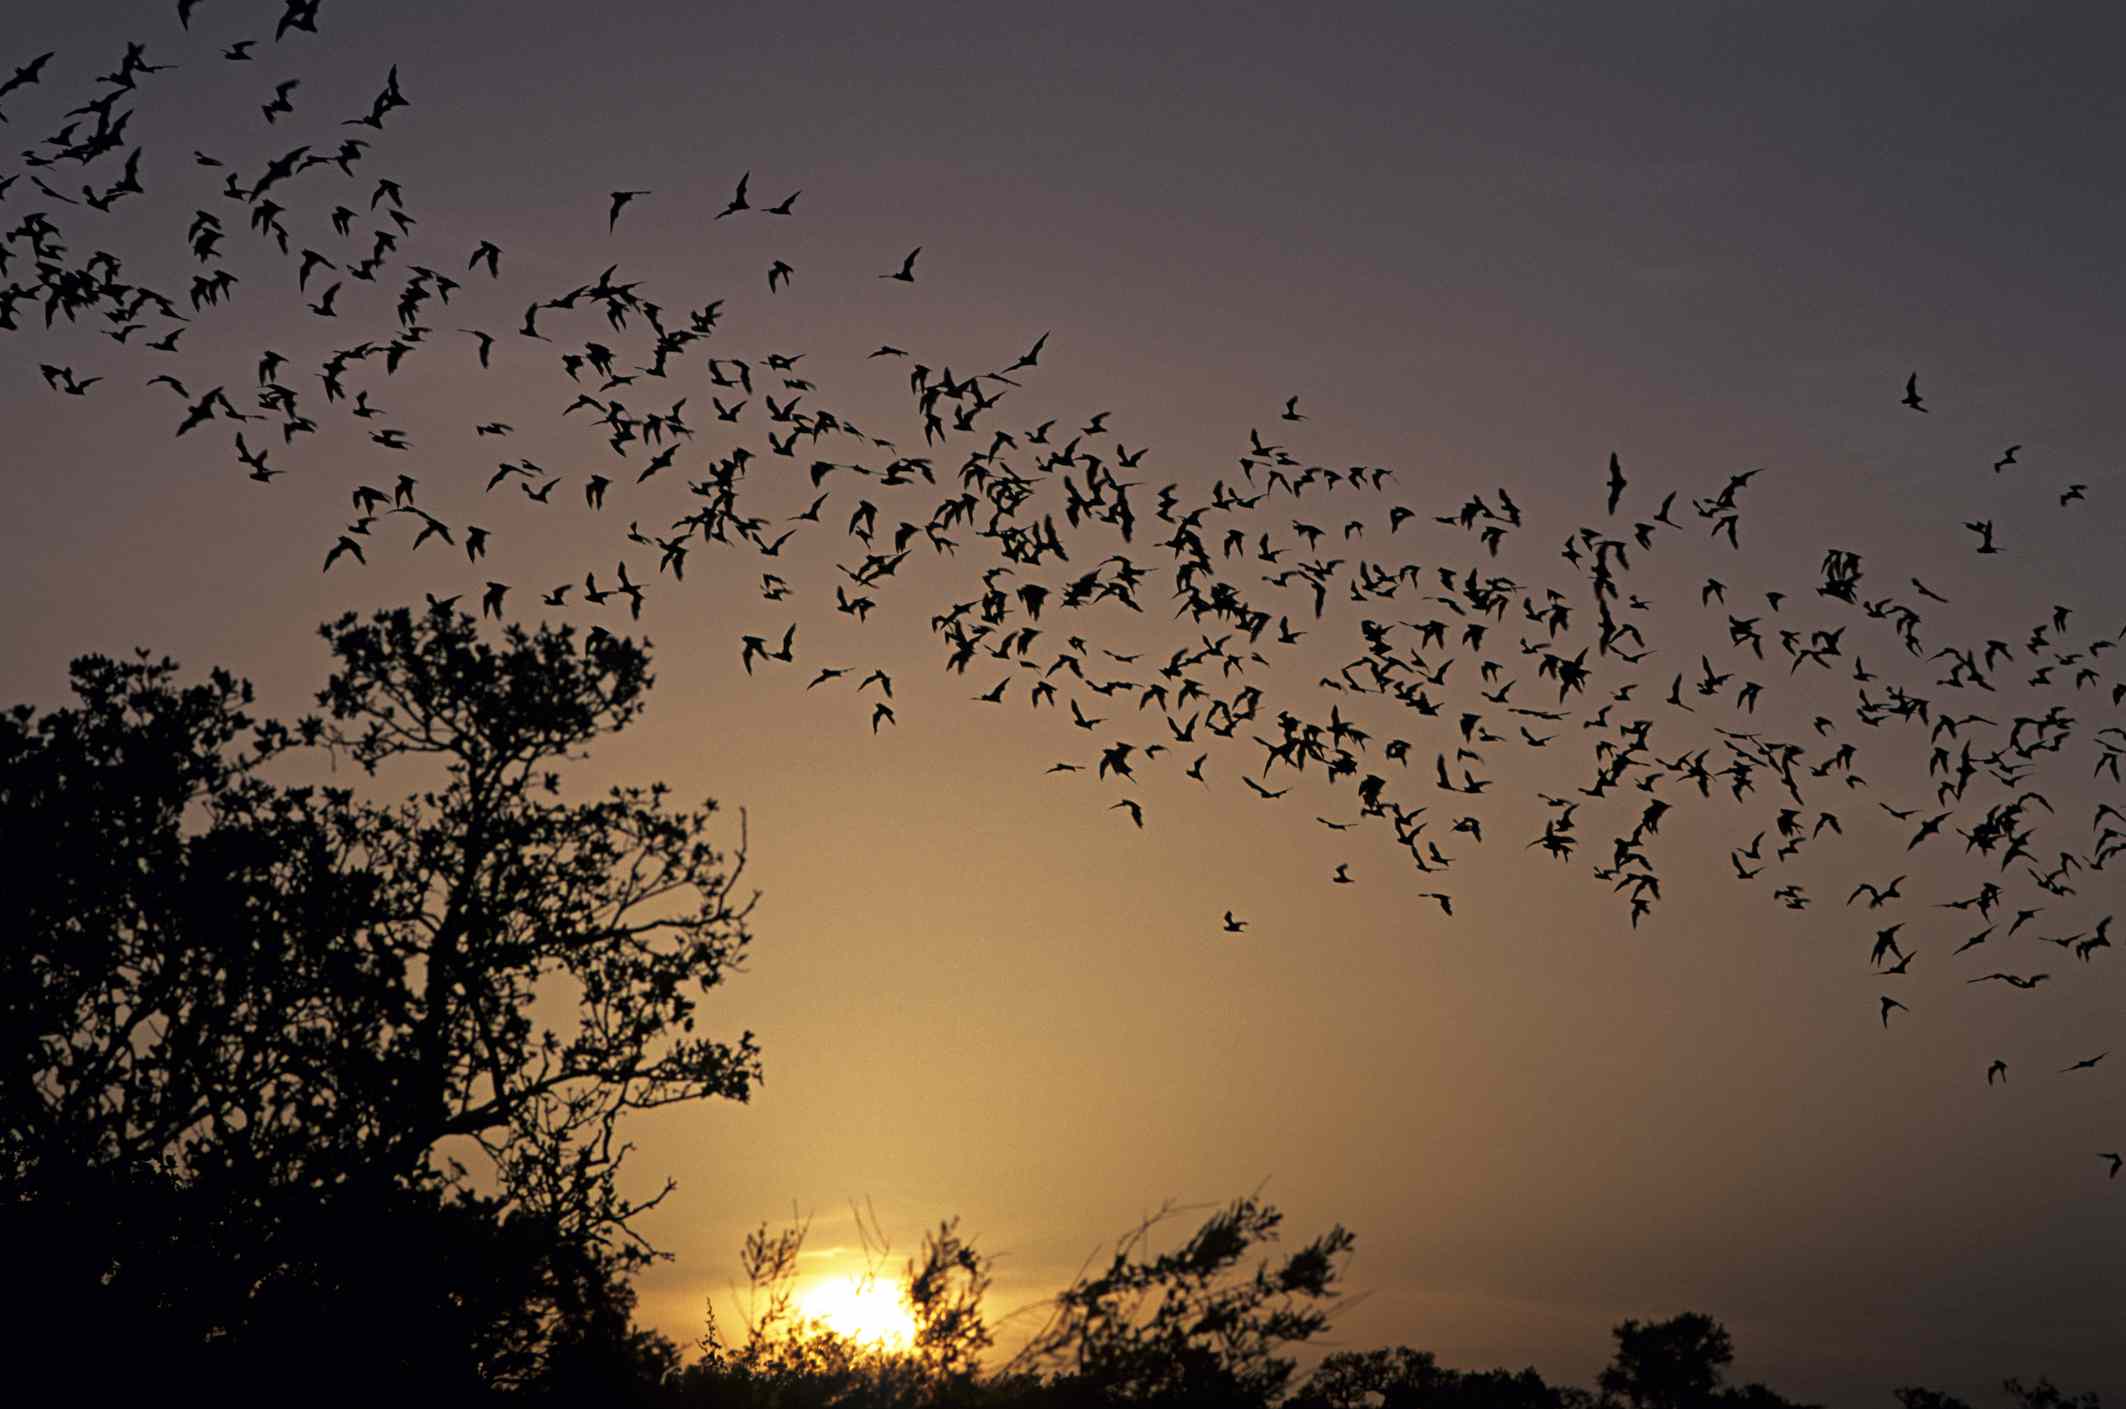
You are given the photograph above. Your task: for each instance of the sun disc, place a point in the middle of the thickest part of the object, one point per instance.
(862, 1310)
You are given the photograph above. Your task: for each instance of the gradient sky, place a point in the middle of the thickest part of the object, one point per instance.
(1485, 244)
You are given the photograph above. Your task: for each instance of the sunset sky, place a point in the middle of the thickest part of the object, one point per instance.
(1484, 245)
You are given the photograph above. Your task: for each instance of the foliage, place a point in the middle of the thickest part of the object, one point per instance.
(1680, 1363)
(1187, 1327)
(1918, 1397)
(1191, 1326)
(254, 1029)
(1672, 1364)
(1403, 1378)
(787, 1359)
(2041, 1395)
(2046, 1395)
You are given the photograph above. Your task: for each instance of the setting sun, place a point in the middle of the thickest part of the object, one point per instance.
(863, 1310)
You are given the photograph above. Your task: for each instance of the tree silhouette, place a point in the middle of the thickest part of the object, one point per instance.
(1403, 1378)
(280, 1059)
(1679, 1363)
(1672, 1364)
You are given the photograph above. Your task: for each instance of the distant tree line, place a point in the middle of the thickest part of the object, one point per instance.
(1213, 1322)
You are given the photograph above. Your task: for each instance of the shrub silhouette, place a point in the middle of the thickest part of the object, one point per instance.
(1403, 1378)
(1191, 1326)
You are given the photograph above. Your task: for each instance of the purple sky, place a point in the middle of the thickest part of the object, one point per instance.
(1485, 245)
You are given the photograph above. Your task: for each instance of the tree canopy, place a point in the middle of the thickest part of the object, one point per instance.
(274, 1045)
